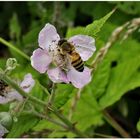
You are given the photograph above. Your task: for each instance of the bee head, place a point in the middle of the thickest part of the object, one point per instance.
(65, 46)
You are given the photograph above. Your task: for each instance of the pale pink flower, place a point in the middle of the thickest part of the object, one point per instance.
(11, 95)
(44, 56)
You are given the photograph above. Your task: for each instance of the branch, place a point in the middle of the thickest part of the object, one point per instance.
(52, 109)
(9, 45)
(74, 103)
(115, 125)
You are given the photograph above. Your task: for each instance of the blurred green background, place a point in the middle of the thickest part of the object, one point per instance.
(116, 82)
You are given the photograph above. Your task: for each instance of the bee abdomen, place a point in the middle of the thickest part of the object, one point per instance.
(78, 64)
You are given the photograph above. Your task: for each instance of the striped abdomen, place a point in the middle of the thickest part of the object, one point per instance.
(77, 62)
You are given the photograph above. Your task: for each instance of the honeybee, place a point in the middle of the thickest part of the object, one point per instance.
(66, 48)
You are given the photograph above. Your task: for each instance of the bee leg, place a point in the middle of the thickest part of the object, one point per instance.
(63, 66)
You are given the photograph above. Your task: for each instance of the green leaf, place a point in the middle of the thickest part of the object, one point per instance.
(91, 29)
(95, 27)
(61, 134)
(128, 7)
(87, 112)
(138, 126)
(74, 31)
(2, 63)
(100, 79)
(125, 76)
(15, 29)
(123, 107)
(55, 130)
(31, 36)
(37, 90)
(23, 125)
(63, 93)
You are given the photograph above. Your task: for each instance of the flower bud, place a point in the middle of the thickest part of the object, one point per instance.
(5, 119)
(3, 130)
(11, 64)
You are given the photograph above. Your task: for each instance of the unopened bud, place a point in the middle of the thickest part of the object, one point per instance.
(11, 64)
(6, 119)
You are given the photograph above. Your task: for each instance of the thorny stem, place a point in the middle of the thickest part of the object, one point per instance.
(104, 135)
(6, 43)
(52, 109)
(74, 103)
(71, 126)
(19, 107)
(51, 99)
(115, 125)
(22, 106)
(49, 119)
(44, 89)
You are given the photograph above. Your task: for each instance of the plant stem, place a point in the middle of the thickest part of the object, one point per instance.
(104, 135)
(71, 126)
(115, 125)
(15, 86)
(6, 43)
(74, 103)
(49, 119)
(51, 98)
(52, 109)
(44, 89)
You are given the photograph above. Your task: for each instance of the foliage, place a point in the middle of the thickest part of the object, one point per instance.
(115, 83)
(24, 124)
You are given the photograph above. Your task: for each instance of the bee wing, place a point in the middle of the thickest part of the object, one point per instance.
(84, 45)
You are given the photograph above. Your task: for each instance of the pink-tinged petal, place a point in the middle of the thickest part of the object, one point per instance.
(11, 96)
(3, 100)
(40, 60)
(57, 75)
(85, 45)
(28, 83)
(47, 36)
(3, 130)
(79, 79)
(14, 95)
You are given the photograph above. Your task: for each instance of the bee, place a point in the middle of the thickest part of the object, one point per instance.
(3, 87)
(66, 48)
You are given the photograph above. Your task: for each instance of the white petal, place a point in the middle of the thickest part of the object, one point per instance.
(79, 79)
(11, 96)
(85, 45)
(14, 95)
(28, 83)
(47, 36)
(3, 130)
(57, 75)
(3, 100)
(40, 60)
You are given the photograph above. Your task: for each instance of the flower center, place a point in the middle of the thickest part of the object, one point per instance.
(59, 58)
